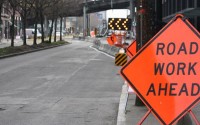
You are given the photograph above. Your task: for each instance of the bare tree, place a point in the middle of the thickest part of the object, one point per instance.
(55, 28)
(67, 6)
(39, 7)
(1, 22)
(1, 6)
(14, 7)
(51, 14)
(35, 7)
(24, 7)
(43, 5)
(61, 14)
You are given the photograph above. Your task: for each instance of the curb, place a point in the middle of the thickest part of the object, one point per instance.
(111, 50)
(30, 51)
(121, 119)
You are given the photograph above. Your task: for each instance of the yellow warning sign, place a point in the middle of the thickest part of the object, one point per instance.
(120, 59)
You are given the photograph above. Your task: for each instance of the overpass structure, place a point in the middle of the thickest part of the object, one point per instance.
(101, 5)
(91, 6)
(75, 7)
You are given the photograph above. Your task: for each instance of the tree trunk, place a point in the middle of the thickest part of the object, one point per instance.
(35, 31)
(51, 30)
(61, 20)
(24, 25)
(13, 28)
(1, 22)
(55, 28)
(42, 26)
(1, 4)
(24, 29)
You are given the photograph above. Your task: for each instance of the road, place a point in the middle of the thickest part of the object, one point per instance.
(68, 85)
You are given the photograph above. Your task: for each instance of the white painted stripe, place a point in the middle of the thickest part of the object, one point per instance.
(121, 119)
(130, 90)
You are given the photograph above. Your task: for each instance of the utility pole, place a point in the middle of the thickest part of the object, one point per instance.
(132, 14)
(85, 18)
(149, 22)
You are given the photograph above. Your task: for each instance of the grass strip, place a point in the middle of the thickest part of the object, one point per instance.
(23, 48)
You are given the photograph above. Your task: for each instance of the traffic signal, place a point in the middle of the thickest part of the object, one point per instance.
(119, 24)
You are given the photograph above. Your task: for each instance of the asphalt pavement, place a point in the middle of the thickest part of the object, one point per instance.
(68, 85)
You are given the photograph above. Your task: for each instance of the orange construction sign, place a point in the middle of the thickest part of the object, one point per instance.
(112, 39)
(165, 73)
(131, 50)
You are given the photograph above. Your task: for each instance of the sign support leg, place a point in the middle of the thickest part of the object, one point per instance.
(194, 117)
(144, 117)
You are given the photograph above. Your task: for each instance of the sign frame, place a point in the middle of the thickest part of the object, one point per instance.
(188, 109)
(129, 52)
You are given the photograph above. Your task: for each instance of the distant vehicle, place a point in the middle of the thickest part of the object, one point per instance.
(30, 33)
(128, 35)
(109, 33)
(64, 32)
(58, 33)
(80, 35)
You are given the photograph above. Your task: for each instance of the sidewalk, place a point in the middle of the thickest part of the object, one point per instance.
(7, 42)
(19, 42)
(135, 113)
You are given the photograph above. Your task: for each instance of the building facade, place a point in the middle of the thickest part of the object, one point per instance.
(6, 22)
(189, 8)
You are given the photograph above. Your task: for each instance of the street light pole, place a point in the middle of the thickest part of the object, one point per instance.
(111, 2)
(85, 18)
(7, 30)
(132, 14)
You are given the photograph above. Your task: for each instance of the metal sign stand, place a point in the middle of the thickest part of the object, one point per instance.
(147, 114)
(194, 117)
(144, 117)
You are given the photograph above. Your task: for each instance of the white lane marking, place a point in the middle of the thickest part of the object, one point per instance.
(102, 52)
(121, 117)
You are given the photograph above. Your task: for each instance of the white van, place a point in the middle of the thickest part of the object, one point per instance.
(30, 33)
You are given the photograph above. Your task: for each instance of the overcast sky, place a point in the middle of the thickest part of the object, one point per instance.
(117, 13)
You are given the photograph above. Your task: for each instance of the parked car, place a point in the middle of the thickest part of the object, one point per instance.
(80, 36)
(30, 33)
(58, 33)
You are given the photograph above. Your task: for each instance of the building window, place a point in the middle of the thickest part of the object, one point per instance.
(174, 6)
(178, 4)
(191, 3)
(170, 7)
(198, 3)
(163, 8)
(167, 8)
(198, 23)
(184, 4)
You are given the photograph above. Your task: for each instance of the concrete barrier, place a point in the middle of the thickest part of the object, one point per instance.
(111, 50)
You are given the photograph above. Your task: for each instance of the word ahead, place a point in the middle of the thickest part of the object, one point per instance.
(172, 89)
